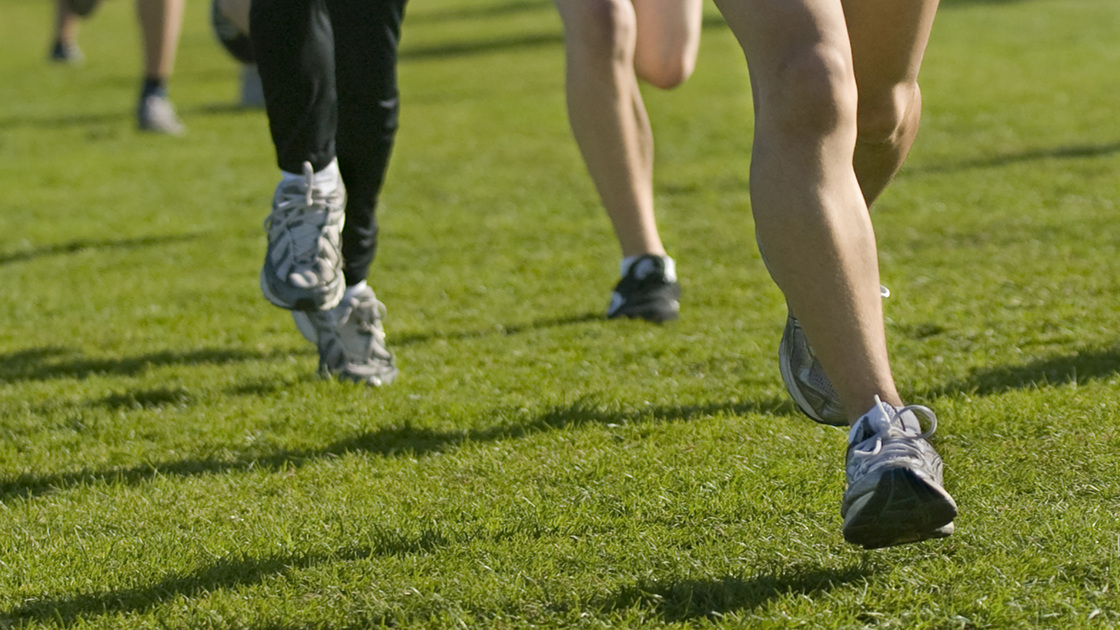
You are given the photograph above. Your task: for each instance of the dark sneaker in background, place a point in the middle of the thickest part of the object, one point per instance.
(648, 291)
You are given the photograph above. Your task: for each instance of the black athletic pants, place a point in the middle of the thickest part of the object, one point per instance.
(329, 71)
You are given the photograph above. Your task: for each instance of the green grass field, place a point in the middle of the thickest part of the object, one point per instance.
(169, 460)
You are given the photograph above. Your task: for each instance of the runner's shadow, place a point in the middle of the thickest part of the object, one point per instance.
(61, 249)
(393, 441)
(48, 363)
(696, 600)
(1061, 152)
(488, 10)
(463, 48)
(412, 339)
(1079, 367)
(226, 573)
(481, 47)
(949, 4)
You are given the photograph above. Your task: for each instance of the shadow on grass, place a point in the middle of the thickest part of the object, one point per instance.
(949, 4)
(224, 574)
(464, 48)
(693, 600)
(91, 119)
(1061, 152)
(407, 339)
(79, 245)
(1079, 367)
(40, 364)
(55, 362)
(488, 10)
(395, 441)
(467, 48)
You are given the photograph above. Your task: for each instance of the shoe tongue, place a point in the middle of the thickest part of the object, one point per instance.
(877, 420)
(910, 422)
(647, 265)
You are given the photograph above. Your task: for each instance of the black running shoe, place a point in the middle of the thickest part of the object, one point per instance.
(646, 292)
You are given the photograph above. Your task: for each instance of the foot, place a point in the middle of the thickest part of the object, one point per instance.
(894, 493)
(303, 264)
(157, 115)
(351, 339)
(67, 53)
(648, 290)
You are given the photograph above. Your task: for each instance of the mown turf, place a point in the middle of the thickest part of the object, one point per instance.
(168, 458)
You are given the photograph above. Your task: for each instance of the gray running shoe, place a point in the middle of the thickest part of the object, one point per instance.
(303, 264)
(157, 115)
(804, 377)
(894, 493)
(351, 339)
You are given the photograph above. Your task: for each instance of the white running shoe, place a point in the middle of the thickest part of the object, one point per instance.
(303, 264)
(350, 338)
(157, 115)
(894, 493)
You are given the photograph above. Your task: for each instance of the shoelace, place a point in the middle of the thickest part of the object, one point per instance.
(895, 414)
(300, 227)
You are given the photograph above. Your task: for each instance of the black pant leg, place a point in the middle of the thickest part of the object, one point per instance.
(293, 45)
(366, 38)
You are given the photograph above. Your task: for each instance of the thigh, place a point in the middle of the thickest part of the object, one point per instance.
(668, 31)
(889, 39)
(776, 34)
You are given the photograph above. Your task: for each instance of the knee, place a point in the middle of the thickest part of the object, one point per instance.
(664, 69)
(812, 94)
(600, 29)
(887, 117)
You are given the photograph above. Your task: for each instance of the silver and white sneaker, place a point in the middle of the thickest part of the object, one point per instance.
(156, 114)
(303, 264)
(804, 376)
(351, 338)
(895, 494)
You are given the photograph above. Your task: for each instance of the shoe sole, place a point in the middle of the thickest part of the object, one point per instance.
(803, 404)
(382, 380)
(656, 317)
(651, 312)
(903, 508)
(334, 294)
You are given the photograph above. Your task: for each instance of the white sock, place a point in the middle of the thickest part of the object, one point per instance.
(354, 288)
(324, 181)
(628, 262)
